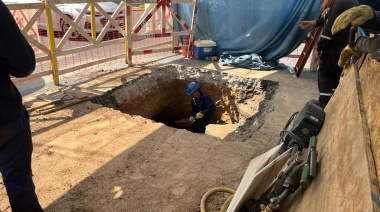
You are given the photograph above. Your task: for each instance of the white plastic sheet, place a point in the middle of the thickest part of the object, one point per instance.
(260, 174)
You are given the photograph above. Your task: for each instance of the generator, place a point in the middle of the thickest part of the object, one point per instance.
(303, 125)
(299, 134)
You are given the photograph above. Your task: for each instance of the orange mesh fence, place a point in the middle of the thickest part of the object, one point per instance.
(68, 58)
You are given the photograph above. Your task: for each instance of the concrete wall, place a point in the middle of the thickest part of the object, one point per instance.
(347, 178)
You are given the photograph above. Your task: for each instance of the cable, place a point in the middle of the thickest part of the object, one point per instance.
(290, 120)
(227, 203)
(286, 127)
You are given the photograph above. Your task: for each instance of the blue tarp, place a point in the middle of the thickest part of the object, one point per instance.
(268, 28)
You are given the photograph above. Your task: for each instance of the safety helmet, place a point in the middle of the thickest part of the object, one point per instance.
(193, 86)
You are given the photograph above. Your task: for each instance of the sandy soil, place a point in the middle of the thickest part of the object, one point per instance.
(91, 158)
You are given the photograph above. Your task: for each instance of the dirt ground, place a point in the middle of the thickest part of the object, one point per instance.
(92, 158)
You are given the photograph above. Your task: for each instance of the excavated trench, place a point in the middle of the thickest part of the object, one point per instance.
(161, 96)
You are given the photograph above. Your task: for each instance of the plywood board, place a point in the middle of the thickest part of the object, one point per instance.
(345, 181)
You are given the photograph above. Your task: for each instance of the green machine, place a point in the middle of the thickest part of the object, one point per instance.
(303, 125)
(299, 134)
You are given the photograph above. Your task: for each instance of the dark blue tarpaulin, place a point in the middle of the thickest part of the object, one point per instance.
(268, 28)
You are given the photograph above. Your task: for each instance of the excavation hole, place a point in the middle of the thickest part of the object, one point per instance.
(161, 96)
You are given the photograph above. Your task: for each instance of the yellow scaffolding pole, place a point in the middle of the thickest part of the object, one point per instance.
(50, 31)
(93, 24)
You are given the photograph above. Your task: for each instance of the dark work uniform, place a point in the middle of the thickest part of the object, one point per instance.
(372, 44)
(205, 105)
(330, 47)
(17, 59)
(375, 4)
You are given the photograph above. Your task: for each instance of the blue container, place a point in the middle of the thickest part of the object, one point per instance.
(204, 48)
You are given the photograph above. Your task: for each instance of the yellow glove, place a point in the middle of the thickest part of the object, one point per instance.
(199, 115)
(356, 16)
(346, 54)
(191, 119)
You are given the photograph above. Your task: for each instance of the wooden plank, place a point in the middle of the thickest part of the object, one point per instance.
(30, 102)
(371, 166)
(54, 96)
(78, 94)
(65, 105)
(47, 98)
(347, 166)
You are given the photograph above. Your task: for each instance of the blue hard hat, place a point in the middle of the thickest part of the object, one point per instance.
(193, 86)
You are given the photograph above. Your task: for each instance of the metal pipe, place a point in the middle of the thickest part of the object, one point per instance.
(313, 163)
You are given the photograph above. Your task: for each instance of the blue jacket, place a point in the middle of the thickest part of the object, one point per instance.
(205, 105)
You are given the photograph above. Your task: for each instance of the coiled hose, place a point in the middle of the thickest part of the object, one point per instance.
(218, 189)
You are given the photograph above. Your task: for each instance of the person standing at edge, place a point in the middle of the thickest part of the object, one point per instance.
(202, 108)
(17, 59)
(329, 47)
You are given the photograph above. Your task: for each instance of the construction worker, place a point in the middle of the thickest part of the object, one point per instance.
(17, 59)
(328, 50)
(202, 108)
(368, 19)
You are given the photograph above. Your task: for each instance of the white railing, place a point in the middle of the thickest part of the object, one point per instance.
(52, 17)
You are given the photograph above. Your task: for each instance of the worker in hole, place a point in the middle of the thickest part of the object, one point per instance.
(202, 108)
(17, 59)
(329, 47)
(369, 20)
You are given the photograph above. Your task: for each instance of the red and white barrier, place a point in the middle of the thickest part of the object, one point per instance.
(156, 28)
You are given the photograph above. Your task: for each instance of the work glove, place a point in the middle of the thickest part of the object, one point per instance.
(192, 119)
(356, 16)
(199, 115)
(346, 54)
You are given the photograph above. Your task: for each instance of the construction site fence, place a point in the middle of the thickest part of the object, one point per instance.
(75, 35)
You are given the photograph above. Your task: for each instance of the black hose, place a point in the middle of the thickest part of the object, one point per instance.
(290, 120)
(284, 194)
(286, 127)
